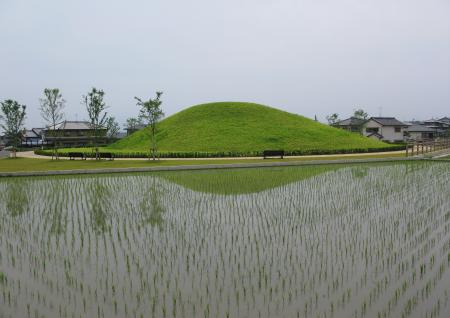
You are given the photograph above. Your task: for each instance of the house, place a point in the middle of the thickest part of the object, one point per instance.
(32, 137)
(440, 126)
(352, 124)
(420, 132)
(73, 133)
(445, 120)
(385, 128)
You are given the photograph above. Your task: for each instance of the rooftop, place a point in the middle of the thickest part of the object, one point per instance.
(352, 121)
(38, 131)
(420, 128)
(443, 121)
(388, 121)
(30, 134)
(72, 125)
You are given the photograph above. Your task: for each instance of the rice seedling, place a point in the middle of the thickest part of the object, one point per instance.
(335, 241)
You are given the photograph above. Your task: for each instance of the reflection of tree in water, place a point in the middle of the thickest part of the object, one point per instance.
(55, 211)
(150, 208)
(16, 198)
(99, 205)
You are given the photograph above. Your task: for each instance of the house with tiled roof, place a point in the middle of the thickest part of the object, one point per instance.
(73, 133)
(352, 124)
(420, 132)
(385, 128)
(441, 126)
(32, 137)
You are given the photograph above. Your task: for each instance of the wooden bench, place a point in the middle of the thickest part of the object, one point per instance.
(106, 155)
(73, 155)
(273, 153)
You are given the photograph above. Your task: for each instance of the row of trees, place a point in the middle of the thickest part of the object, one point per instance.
(13, 114)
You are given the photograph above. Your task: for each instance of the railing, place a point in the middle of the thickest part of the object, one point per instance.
(421, 147)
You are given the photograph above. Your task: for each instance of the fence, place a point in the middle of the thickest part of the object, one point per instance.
(421, 147)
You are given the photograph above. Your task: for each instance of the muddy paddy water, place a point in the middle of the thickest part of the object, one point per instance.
(328, 241)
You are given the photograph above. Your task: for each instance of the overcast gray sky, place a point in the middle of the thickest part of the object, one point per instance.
(304, 56)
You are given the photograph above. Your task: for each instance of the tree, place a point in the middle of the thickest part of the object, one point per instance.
(13, 120)
(112, 127)
(333, 119)
(151, 113)
(132, 124)
(97, 115)
(362, 116)
(52, 106)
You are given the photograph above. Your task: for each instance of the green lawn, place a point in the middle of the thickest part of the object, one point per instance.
(28, 164)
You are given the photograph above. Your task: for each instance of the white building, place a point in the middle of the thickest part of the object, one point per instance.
(385, 128)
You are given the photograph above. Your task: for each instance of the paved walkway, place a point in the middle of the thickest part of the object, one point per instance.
(31, 154)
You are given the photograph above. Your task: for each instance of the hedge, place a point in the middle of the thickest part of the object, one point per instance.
(200, 154)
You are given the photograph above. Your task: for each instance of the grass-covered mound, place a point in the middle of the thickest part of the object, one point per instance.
(232, 129)
(245, 129)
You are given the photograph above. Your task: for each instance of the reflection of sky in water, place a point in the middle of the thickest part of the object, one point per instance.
(341, 242)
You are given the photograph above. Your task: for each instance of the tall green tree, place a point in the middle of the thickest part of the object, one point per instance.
(52, 106)
(96, 109)
(112, 127)
(12, 122)
(151, 113)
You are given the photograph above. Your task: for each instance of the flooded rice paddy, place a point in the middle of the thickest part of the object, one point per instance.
(324, 241)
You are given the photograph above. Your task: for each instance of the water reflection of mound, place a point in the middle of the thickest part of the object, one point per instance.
(243, 181)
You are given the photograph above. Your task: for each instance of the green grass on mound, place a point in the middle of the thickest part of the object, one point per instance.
(245, 128)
